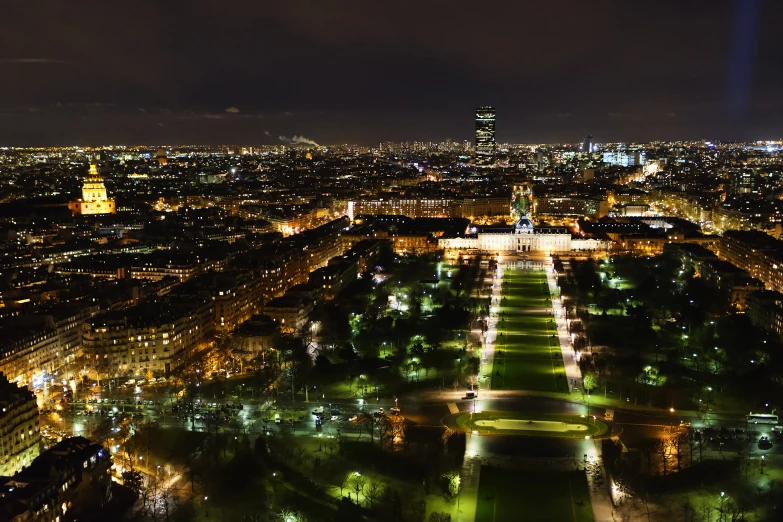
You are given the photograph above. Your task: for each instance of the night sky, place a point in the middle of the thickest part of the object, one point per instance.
(98, 72)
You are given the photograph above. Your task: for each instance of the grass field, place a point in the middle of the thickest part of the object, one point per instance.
(527, 357)
(593, 427)
(524, 495)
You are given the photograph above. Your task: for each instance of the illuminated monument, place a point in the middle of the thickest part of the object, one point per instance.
(94, 199)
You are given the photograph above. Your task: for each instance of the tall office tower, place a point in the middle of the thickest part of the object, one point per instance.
(485, 137)
(588, 145)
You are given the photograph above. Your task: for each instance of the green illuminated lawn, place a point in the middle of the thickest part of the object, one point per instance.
(539, 495)
(527, 357)
(592, 427)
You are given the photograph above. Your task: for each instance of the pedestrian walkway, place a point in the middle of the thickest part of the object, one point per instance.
(488, 351)
(470, 476)
(600, 493)
(573, 373)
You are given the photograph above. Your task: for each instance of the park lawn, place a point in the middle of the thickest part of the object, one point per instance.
(538, 324)
(522, 346)
(595, 427)
(516, 374)
(527, 357)
(527, 495)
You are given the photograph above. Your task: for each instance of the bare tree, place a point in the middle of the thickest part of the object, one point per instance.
(357, 486)
(689, 512)
(149, 496)
(344, 483)
(290, 514)
(743, 463)
(706, 512)
(692, 438)
(134, 439)
(301, 454)
(397, 425)
(330, 445)
(374, 491)
(648, 449)
(169, 501)
(733, 511)
(677, 443)
(416, 510)
(385, 429)
(662, 448)
(365, 421)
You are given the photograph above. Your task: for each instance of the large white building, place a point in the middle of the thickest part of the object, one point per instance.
(523, 237)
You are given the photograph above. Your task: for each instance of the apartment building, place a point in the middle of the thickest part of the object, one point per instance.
(19, 430)
(70, 481)
(155, 337)
(765, 310)
(757, 253)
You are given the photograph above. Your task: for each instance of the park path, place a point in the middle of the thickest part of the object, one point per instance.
(470, 476)
(488, 351)
(573, 373)
(597, 479)
(598, 482)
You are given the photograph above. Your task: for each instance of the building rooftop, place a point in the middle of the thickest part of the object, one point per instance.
(11, 395)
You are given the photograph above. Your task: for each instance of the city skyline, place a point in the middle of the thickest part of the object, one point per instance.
(283, 310)
(396, 262)
(363, 75)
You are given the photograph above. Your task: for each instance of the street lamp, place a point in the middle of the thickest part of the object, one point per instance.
(206, 507)
(458, 488)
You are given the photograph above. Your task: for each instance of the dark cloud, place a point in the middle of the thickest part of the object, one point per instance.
(30, 60)
(357, 71)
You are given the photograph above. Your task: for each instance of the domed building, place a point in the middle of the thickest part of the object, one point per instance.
(94, 197)
(161, 156)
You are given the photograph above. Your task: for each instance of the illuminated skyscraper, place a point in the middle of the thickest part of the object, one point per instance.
(588, 145)
(485, 136)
